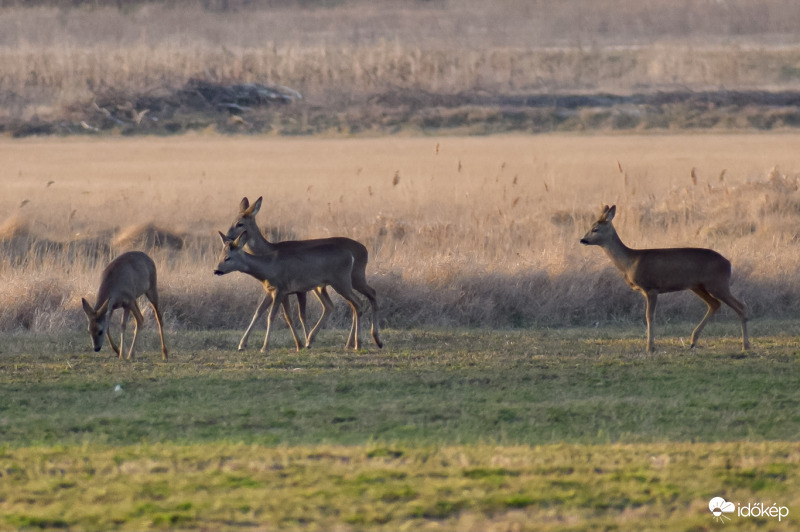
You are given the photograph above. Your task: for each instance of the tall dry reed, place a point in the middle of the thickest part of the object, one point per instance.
(461, 232)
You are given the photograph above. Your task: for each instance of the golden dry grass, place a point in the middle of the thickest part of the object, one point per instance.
(461, 231)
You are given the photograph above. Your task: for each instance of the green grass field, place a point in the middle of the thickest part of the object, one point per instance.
(547, 429)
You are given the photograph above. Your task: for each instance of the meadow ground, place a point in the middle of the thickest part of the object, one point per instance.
(567, 429)
(513, 392)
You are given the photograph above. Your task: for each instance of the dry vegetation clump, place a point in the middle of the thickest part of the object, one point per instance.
(147, 237)
(195, 105)
(36, 303)
(21, 247)
(15, 226)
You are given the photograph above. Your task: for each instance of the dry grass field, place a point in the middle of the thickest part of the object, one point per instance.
(461, 231)
(388, 66)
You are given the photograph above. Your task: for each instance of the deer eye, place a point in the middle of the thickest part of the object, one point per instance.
(240, 224)
(227, 259)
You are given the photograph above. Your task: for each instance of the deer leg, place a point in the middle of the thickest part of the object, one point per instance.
(160, 322)
(738, 307)
(327, 307)
(353, 339)
(263, 305)
(276, 297)
(351, 335)
(345, 289)
(360, 284)
(301, 313)
(650, 312)
(112, 344)
(108, 335)
(271, 314)
(123, 323)
(138, 320)
(288, 317)
(713, 307)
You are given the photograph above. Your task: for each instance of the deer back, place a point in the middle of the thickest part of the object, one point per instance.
(355, 248)
(126, 278)
(300, 270)
(674, 269)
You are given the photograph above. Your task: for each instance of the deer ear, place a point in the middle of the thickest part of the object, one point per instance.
(244, 205)
(223, 237)
(240, 240)
(103, 308)
(87, 308)
(256, 206)
(611, 212)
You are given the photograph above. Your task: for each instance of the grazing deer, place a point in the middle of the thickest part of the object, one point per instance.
(246, 222)
(656, 271)
(285, 272)
(125, 279)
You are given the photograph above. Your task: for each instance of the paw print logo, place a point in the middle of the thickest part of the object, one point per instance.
(719, 507)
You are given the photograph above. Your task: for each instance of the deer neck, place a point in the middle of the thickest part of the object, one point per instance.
(621, 255)
(257, 242)
(260, 267)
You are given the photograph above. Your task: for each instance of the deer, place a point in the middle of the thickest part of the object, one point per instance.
(656, 271)
(122, 282)
(245, 222)
(291, 271)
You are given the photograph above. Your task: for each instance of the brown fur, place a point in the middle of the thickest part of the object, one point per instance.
(245, 222)
(127, 277)
(286, 272)
(656, 271)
